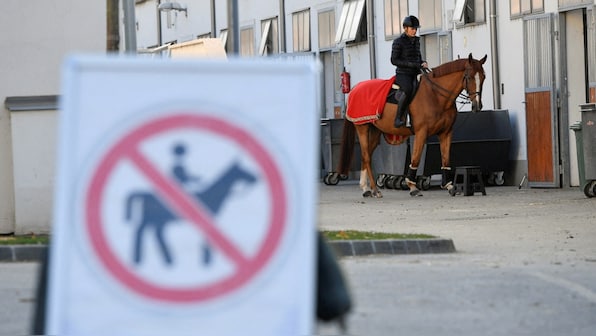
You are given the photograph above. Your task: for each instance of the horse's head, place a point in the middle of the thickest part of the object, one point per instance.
(241, 174)
(473, 81)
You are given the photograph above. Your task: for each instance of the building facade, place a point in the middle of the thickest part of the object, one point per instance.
(541, 56)
(36, 37)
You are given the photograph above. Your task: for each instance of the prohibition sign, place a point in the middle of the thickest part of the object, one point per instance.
(127, 149)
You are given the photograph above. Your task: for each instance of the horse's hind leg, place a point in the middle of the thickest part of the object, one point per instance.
(368, 137)
(162, 244)
(374, 136)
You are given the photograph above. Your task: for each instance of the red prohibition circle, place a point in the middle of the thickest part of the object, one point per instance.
(127, 149)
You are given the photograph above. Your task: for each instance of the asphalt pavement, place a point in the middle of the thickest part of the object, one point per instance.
(523, 262)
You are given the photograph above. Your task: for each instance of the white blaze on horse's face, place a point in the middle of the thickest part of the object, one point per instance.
(474, 89)
(477, 102)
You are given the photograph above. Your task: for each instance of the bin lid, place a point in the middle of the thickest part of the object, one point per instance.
(577, 126)
(587, 107)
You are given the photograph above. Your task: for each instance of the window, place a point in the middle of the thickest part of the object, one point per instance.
(395, 12)
(469, 11)
(326, 29)
(352, 25)
(446, 51)
(436, 48)
(519, 8)
(223, 35)
(247, 42)
(568, 3)
(301, 31)
(269, 37)
(431, 12)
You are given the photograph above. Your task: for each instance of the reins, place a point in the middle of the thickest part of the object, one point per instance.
(443, 92)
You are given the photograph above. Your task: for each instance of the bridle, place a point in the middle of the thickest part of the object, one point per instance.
(446, 93)
(466, 80)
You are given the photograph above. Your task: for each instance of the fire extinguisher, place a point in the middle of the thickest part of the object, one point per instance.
(345, 81)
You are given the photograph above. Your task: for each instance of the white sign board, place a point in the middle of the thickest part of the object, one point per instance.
(185, 199)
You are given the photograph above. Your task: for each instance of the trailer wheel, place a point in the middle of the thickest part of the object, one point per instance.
(390, 182)
(381, 180)
(333, 178)
(590, 189)
(404, 184)
(397, 183)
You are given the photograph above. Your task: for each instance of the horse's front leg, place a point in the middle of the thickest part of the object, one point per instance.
(417, 147)
(447, 174)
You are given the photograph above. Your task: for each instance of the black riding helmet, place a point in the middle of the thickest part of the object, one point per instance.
(411, 21)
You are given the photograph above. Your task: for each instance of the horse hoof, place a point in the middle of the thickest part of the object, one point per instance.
(367, 193)
(415, 192)
(377, 194)
(448, 186)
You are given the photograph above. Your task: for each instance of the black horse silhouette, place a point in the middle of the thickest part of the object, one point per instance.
(155, 214)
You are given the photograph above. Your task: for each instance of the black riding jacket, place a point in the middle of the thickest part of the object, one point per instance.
(405, 55)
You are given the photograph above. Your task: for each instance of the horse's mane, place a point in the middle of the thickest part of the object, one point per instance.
(450, 67)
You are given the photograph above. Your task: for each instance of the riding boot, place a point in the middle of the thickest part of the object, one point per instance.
(400, 96)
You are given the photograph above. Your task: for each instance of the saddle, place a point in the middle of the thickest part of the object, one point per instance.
(394, 87)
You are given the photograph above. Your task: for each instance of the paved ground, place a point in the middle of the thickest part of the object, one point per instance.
(525, 264)
(507, 226)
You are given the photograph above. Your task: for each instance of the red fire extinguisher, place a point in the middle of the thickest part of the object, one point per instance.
(345, 81)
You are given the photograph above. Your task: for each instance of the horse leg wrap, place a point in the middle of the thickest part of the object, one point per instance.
(447, 176)
(411, 177)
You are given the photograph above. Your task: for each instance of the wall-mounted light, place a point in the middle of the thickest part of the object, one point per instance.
(172, 6)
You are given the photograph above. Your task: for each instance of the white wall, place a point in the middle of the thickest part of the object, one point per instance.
(511, 65)
(36, 35)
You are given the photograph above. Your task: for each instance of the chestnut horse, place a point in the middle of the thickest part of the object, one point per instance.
(432, 112)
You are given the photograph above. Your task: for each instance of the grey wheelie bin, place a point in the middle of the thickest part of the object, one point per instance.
(390, 164)
(585, 135)
(331, 136)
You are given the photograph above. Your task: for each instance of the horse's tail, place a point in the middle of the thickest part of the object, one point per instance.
(347, 147)
(129, 204)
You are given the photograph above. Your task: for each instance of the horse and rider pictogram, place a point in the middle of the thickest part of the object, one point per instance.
(155, 215)
(156, 194)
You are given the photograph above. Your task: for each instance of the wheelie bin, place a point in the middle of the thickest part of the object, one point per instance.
(586, 147)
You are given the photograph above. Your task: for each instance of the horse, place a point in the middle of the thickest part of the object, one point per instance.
(155, 214)
(432, 112)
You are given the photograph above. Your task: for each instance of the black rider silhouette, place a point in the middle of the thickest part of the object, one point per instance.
(188, 181)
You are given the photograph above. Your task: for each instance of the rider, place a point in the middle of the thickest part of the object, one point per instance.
(405, 55)
(179, 170)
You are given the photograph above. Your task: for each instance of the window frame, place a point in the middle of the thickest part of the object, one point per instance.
(301, 31)
(326, 32)
(247, 41)
(525, 7)
(469, 12)
(391, 7)
(269, 42)
(352, 23)
(428, 25)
